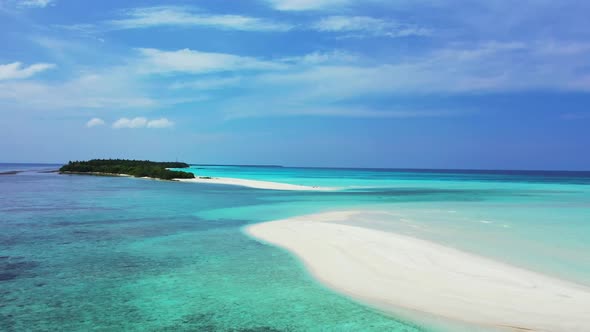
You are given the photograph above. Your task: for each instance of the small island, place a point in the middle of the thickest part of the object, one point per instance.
(136, 168)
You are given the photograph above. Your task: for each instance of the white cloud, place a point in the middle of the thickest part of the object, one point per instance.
(196, 62)
(16, 70)
(141, 122)
(35, 3)
(299, 5)
(94, 122)
(365, 25)
(138, 18)
(160, 123)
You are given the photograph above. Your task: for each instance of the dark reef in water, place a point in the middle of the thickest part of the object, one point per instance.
(10, 172)
(49, 171)
(15, 267)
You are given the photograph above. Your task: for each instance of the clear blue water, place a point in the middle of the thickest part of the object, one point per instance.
(86, 252)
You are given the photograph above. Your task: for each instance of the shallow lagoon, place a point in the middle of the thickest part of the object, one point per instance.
(81, 252)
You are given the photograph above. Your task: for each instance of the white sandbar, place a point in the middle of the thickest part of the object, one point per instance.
(256, 184)
(392, 272)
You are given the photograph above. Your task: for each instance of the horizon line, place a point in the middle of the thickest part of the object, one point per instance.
(351, 168)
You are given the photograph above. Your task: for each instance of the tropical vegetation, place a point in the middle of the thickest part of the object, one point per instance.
(137, 168)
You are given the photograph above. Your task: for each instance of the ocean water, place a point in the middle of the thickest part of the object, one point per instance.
(111, 254)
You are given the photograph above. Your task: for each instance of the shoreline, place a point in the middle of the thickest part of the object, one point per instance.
(94, 173)
(400, 274)
(257, 184)
(112, 175)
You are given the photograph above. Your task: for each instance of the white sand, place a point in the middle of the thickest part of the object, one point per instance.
(232, 182)
(256, 184)
(391, 271)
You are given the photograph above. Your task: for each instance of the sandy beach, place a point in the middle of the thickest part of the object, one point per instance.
(397, 273)
(269, 185)
(255, 184)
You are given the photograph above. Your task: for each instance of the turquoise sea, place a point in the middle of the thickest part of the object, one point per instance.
(81, 253)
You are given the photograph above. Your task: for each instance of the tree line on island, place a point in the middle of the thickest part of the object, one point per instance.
(137, 168)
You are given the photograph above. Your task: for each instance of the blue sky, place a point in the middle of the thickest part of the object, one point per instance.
(351, 83)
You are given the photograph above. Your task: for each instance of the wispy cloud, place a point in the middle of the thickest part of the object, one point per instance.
(310, 59)
(196, 62)
(186, 17)
(276, 109)
(359, 26)
(576, 116)
(110, 89)
(325, 85)
(316, 58)
(300, 5)
(35, 3)
(16, 70)
(483, 67)
(207, 83)
(318, 83)
(81, 29)
(314, 83)
(95, 122)
(138, 18)
(141, 122)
